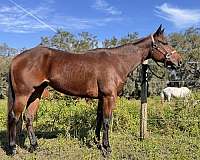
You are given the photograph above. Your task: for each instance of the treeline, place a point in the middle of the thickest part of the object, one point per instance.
(187, 43)
(6, 53)
(84, 41)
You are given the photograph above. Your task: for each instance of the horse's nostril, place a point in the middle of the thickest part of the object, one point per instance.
(179, 63)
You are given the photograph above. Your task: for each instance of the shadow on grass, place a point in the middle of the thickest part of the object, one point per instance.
(4, 141)
(82, 134)
(21, 140)
(80, 125)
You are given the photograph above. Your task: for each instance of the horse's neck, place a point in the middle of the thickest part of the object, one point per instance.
(132, 55)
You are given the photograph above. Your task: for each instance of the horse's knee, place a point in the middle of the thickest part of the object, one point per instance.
(106, 123)
(11, 116)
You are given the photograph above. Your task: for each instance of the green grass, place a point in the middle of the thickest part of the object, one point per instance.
(65, 130)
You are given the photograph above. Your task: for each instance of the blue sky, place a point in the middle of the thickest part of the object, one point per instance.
(23, 23)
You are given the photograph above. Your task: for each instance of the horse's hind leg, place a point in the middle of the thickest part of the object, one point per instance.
(99, 121)
(13, 116)
(31, 110)
(28, 118)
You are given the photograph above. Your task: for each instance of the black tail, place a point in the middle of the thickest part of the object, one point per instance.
(10, 92)
(10, 96)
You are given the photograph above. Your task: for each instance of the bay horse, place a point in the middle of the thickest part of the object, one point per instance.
(98, 73)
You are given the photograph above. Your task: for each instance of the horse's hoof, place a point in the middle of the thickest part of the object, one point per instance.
(33, 148)
(106, 151)
(13, 150)
(96, 141)
(109, 150)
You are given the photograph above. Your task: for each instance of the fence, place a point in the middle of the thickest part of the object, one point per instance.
(144, 120)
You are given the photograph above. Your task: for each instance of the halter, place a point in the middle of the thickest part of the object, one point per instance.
(167, 55)
(155, 45)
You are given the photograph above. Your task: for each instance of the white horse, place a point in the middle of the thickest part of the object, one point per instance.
(169, 92)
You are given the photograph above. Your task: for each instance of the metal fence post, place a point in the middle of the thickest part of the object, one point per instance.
(143, 113)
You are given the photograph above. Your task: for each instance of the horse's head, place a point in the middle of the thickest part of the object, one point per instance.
(162, 51)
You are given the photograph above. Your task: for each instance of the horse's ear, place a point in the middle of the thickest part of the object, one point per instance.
(159, 31)
(163, 30)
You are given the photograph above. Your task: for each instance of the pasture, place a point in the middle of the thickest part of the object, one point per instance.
(65, 130)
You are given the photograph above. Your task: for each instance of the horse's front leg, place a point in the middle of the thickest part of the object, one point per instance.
(108, 105)
(169, 97)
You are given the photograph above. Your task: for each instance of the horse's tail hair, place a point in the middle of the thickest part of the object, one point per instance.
(11, 96)
(10, 92)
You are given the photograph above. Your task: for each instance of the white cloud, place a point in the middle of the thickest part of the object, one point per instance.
(15, 19)
(104, 6)
(181, 18)
(74, 23)
(44, 17)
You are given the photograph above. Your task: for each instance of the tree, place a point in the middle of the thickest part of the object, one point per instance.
(110, 43)
(7, 51)
(66, 41)
(4, 63)
(130, 38)
(61, 40)
(114, 42)
(85, 41)
(188, 43)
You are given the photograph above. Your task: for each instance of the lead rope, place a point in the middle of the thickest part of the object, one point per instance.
(160, 77)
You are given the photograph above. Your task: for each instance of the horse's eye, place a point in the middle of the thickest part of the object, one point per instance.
(163, 42)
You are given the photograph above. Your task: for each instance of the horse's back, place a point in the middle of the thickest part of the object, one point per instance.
(167, 90)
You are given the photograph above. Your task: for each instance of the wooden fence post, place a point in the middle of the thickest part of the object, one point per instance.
(143, 113)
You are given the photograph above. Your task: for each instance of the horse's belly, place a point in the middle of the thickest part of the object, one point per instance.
(79, 88)
(179, 95)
